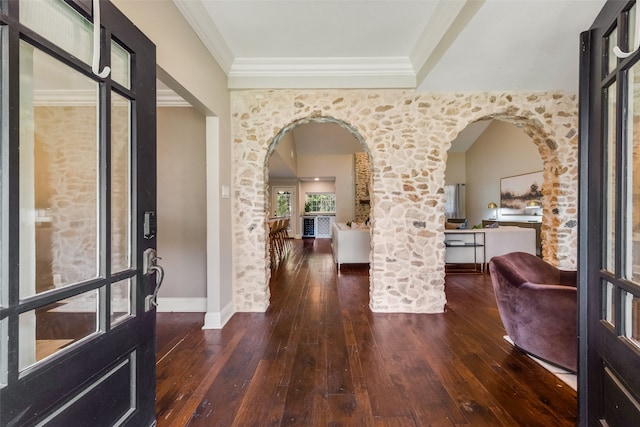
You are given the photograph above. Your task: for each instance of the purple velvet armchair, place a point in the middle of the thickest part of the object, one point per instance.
(538, 306)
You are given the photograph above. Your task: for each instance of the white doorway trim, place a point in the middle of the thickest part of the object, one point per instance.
(216, 316)
(293, 205)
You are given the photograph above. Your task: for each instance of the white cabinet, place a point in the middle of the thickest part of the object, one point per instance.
(350, 245)
(323, 226)
(504, 240)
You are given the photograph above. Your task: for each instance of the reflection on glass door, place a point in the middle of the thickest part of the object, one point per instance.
(59, 183)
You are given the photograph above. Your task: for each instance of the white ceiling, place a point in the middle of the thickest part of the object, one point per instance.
(426, 45)
(430, 45)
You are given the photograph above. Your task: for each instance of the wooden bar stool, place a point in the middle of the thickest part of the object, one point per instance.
(275, 246)
(284, 236)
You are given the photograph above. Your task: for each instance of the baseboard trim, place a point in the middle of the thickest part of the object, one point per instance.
(217, 320)
(183, 305)
(212, 319)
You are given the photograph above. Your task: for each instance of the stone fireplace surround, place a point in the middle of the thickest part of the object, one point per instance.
(407, 136)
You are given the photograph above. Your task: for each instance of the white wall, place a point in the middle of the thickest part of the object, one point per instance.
(286, 148)
(315, 187)
(456, 172)
(182, 55)
(501, 151)
(340, 167)
(182, 204)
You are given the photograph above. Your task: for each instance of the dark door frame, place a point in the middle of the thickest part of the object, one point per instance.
(128, 349)
(608, 365)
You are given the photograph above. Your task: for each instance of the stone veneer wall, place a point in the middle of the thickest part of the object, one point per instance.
(407, 136)
(362, 170)
(67, 135)
(65, 138)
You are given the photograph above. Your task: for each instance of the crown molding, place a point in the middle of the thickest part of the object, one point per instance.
(65, 98)
(88, 98)
(321, 66)
(197, 16)
(329, 72)
(294, 73)
(168, 98)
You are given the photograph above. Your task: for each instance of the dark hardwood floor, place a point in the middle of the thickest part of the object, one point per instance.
(320, 357)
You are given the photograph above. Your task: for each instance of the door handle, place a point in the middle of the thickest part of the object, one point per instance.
(150, 266)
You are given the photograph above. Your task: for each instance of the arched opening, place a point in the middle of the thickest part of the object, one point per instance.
(490, 155)
(484, 157)
(408, 136)
(317, 173)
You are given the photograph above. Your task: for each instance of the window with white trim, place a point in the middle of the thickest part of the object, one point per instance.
(320, 202)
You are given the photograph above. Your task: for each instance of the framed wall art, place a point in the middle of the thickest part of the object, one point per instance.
(520, 193)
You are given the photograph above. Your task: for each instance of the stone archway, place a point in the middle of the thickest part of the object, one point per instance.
(554, 186)
(407, 135)
(290, 127)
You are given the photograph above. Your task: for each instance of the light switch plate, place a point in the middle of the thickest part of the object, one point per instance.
(225, 191)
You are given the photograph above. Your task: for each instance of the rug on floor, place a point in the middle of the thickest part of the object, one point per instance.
(567, 377)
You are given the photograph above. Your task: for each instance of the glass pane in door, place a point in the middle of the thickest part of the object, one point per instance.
(608, 303)
(120, 65)
(120, 301)
(59, 23)
(632, 318)
(612, 41)
(283, 203)
(632, 267)
(610, 177)
(59, 176)
(57, 326)
(120, 183)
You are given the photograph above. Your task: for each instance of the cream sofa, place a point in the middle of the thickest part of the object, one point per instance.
(491, 242)
(350, 245)
(504, 240)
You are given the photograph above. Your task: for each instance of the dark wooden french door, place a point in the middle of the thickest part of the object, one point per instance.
(77, 202)
(609, 239)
